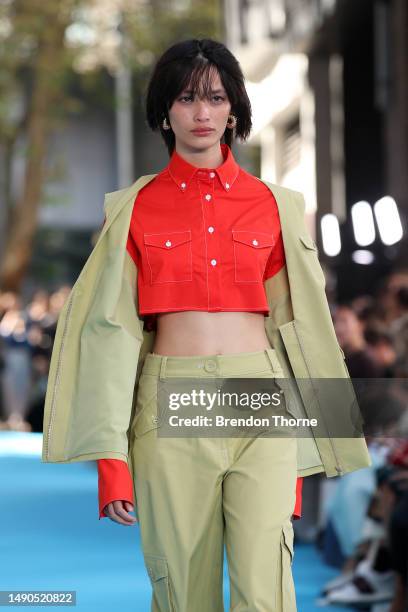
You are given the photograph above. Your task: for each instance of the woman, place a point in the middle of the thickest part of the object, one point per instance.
(206, 239)
(187, 81)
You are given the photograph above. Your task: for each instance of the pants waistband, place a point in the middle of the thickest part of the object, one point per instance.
(212, 365)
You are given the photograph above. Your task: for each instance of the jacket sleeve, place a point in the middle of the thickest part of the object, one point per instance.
(114, 483)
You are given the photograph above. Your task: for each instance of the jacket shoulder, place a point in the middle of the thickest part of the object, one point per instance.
(112, 197)
(288, 194)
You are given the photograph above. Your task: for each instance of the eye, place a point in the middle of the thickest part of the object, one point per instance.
(185, 98)
(219, 98)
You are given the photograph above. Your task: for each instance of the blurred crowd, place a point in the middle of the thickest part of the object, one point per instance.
(27, 334)
(365, 531)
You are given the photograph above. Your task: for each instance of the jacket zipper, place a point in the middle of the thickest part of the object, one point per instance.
(57, 376)
(338, 466)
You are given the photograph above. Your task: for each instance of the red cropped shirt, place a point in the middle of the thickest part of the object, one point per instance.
(202, 239)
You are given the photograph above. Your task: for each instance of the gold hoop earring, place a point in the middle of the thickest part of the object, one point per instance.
(165, 125)
(232, 121)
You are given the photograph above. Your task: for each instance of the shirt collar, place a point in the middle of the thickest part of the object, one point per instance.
(182, 172)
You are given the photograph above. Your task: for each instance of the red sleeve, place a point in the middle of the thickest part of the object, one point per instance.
(297, 513)
(114, 482)
(276, 259)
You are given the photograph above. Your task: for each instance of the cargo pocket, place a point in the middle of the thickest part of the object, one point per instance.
(159, 578)
(285, 587)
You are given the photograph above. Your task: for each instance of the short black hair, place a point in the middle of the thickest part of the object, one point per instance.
(194, 61)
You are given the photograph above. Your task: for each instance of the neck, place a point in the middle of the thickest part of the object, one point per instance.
(208, 158)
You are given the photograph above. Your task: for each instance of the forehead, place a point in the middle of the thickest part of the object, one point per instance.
(344, 313)
(208, 80)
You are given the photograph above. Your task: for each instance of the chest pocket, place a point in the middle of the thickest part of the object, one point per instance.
(311, 257)
(251, 253)
(169, 257)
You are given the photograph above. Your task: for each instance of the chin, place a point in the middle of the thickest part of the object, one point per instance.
(204, 143)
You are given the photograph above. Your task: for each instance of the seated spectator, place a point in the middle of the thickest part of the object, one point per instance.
(350, 334)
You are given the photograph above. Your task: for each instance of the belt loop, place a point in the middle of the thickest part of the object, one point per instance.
(163, 364)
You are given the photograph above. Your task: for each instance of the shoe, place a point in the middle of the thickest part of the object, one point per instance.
(366, 587)
(337, 582)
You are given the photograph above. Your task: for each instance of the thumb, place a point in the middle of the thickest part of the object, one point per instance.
(128, 506)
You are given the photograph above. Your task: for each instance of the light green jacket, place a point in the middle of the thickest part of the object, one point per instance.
(100, 346)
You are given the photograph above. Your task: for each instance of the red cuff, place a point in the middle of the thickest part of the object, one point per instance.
(114, 482)
(297, 513)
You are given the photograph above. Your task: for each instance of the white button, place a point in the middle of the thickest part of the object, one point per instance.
(211, 229)
(227, 185)
(208, 197)
(212, 174)
(255, 242)
(168, 243)
(213, 262)
(183, 185)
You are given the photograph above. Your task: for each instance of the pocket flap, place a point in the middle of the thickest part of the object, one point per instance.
(167, 240)
(253, 238)
(308, 242)
(288, 536)
(156, 567)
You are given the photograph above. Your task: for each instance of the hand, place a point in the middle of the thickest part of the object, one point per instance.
(118, 511)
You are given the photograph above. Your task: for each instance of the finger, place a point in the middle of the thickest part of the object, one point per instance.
(106, 510)
(110, 512)
(129, 507)
(110, 508)
(120, 511)
(118, 519)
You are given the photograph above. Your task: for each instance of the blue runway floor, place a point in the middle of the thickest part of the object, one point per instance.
(51, 538)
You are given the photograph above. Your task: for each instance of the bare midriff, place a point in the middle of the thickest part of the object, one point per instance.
(190, 333)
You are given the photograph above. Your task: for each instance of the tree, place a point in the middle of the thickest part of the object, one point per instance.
(33, 56)
(42, 44)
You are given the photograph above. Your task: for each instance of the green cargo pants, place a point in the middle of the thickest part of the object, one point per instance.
(194, 494)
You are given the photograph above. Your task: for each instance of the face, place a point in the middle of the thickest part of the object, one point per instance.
(190, 116)
(347, 325)
(383, 353)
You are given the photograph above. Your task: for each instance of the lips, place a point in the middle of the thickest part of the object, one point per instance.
(202, 131)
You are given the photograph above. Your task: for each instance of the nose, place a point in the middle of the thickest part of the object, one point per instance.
(201, 111)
